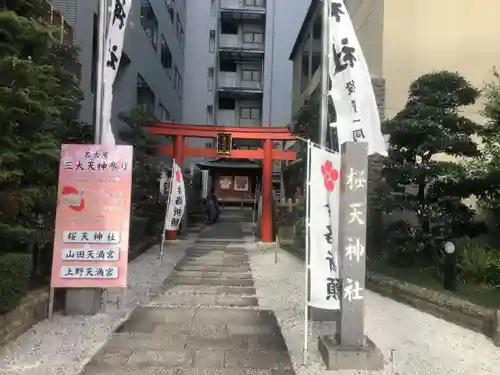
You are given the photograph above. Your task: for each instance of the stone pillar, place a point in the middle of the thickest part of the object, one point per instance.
(349, 348)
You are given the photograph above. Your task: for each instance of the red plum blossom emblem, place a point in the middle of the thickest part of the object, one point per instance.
(330, 175)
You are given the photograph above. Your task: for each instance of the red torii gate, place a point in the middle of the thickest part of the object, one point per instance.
(267, 154)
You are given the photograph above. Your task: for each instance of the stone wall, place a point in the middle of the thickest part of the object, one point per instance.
(32, 309)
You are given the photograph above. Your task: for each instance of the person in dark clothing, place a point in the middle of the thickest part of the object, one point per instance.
(211, 208)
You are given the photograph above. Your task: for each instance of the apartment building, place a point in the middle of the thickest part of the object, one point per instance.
(151, 71)
(404, 39)
(238, 73)
(306, 58)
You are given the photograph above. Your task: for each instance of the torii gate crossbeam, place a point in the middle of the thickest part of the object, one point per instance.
(267, 154)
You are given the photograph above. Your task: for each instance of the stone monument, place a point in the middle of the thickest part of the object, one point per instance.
(349, 348)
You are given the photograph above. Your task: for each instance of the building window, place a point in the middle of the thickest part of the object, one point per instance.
(149, 22)
(251, 75)
(213, 8)
(178, 81)
(226, 103)
(170, 7)
(95, 35)
(227, 65)
(180, 32)
(227, 27)
(253, 38)
(166, 56)
(250, 113)
(145, 96)
(210, 79)
(210, 114)
(164, 113)
(255, 3)
(211, 42)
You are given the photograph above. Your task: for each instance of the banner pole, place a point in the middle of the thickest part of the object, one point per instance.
(98, 133)
(166, 210)
(306, 308)
(323, 122)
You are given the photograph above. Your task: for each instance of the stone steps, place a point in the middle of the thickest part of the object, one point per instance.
(205, 320)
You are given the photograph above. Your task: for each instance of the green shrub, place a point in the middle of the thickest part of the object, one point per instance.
(138, 226)
(479, 263)
(15, 272)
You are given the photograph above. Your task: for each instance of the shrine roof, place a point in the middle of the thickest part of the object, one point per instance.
(230, 163)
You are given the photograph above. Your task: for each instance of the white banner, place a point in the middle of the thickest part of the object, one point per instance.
(113, 49)
(351, 87)
(323, 200)
(176, 201)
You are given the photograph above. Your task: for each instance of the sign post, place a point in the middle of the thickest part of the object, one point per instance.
(92, 224)
(349, 348)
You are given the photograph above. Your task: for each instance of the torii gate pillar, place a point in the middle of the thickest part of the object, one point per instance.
(267, 188)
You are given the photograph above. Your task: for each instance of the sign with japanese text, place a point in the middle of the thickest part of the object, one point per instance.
(176, 201)
(323, 201)
(352, 241)
(93, 217)
(350, 85)
(224, 143)
(120, 10)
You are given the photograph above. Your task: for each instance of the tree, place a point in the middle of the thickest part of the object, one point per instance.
(486, 168)
(419, 182)
(39, 97)
(146, 173)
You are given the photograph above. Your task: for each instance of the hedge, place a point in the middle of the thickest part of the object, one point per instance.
(15, 273)
(138, 225)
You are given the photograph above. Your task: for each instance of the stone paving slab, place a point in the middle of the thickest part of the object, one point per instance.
(214, 274)
(203, 281)
(206, 289)
(204, 300)
(121, 370)
(215, 371)
(223, 268)
(214, 262)
(238, 317)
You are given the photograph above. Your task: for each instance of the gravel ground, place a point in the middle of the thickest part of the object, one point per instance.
(420, 343)
(64, 345)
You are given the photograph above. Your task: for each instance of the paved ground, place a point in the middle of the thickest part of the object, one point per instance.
(412, 342)
(205, 321)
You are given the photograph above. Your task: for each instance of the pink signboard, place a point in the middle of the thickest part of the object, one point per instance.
(93, 217)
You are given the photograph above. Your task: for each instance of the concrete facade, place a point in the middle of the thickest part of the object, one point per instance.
(402, 40)
(237, 62)
(141, 58)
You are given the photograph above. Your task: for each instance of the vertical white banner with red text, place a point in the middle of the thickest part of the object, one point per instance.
(324, 195)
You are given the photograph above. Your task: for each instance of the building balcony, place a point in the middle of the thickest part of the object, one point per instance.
(244, 9)
(236, 46)
(233, 84)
